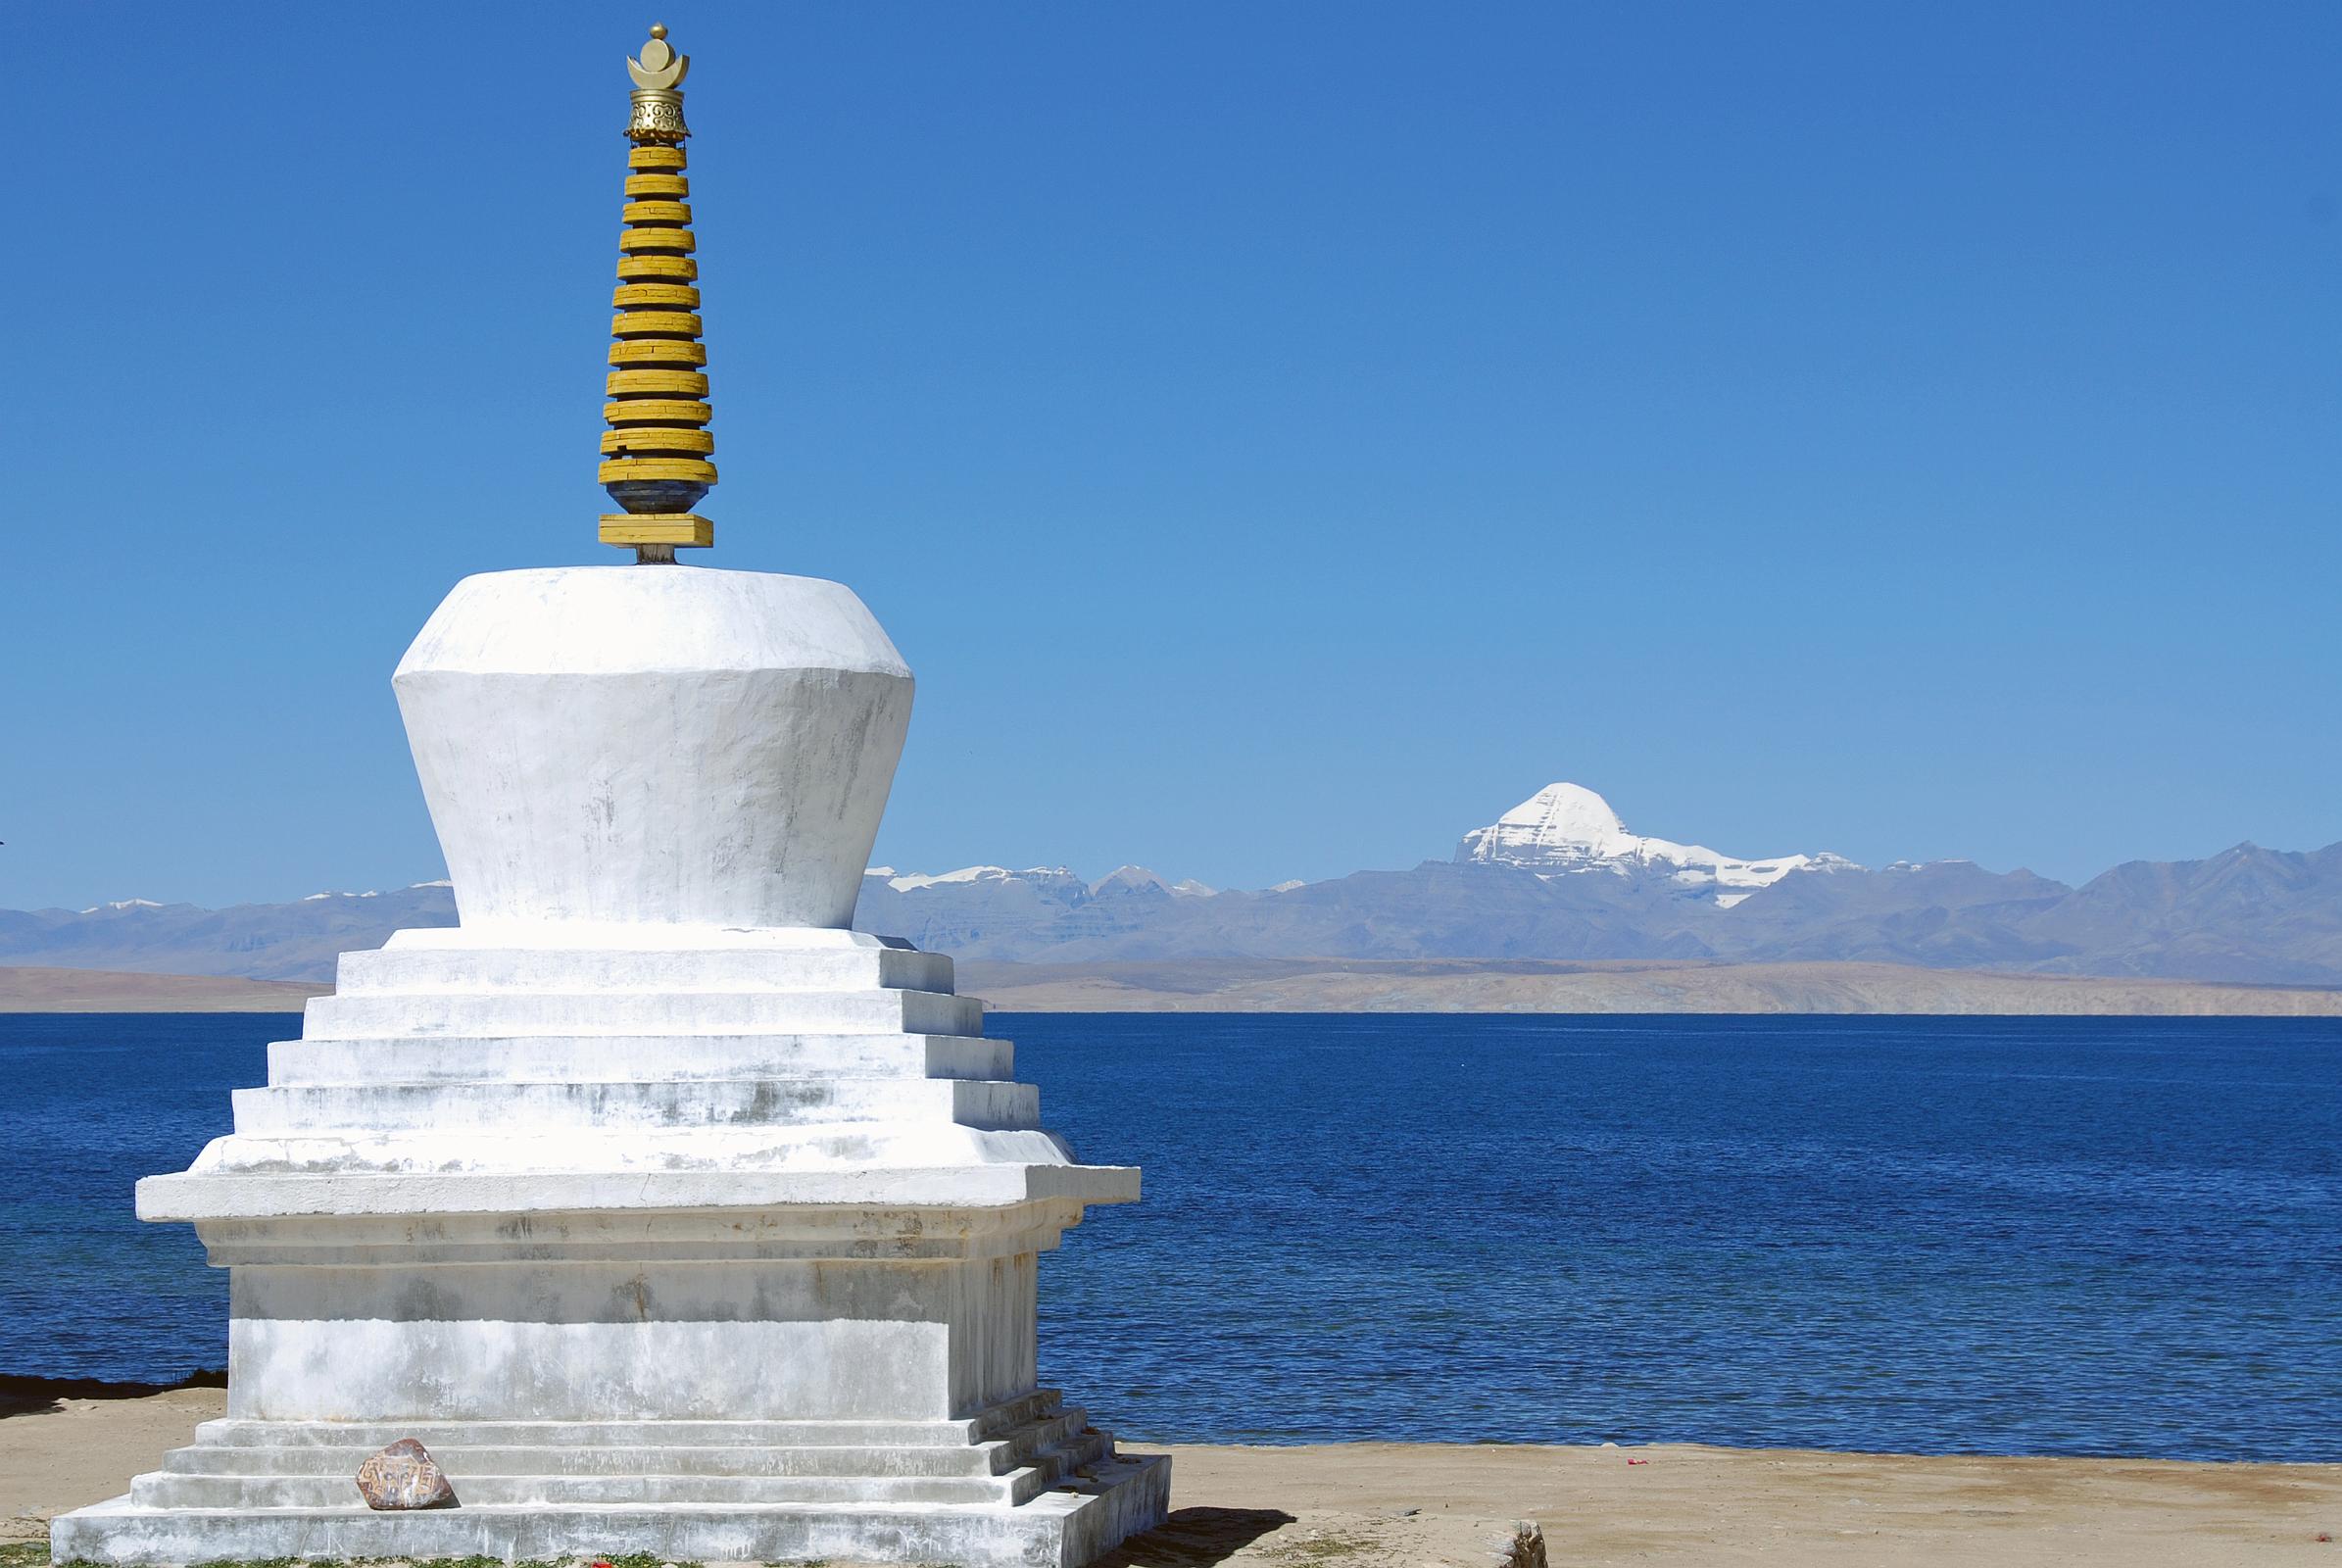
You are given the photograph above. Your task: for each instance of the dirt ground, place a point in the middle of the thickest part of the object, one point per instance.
(1422, 1505)
(1695, 1505)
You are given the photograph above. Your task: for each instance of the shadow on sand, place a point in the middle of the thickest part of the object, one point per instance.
(20, 1396)
(1197, 1538)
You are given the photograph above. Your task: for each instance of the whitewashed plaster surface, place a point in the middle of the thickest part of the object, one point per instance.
(614, 744)
(669, 1215)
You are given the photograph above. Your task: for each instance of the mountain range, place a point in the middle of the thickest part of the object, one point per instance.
(1559, 877)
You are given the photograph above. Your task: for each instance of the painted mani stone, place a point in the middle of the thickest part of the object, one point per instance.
(404, 1476)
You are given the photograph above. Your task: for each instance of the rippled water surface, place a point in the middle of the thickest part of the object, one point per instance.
(2096, 1235)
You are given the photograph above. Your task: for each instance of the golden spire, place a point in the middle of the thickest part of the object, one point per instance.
(655, 458)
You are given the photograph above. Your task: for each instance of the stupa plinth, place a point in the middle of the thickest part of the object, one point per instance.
(667, 1212)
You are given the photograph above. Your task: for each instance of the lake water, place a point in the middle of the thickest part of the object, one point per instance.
(2049, 1235)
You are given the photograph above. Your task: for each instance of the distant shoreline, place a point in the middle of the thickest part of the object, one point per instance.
(1398, 985)
(27, 989)
(1557, 986)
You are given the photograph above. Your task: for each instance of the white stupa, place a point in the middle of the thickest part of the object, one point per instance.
(669, 1215)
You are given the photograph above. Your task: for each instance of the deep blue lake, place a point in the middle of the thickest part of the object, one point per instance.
(2021, 1235)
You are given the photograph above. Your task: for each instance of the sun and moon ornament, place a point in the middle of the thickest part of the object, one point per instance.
(655, 457)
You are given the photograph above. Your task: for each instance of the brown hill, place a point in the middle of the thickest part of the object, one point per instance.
(24, 989)
(1357, 985)
(1459, 985)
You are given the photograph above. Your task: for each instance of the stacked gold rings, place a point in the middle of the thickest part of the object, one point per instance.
(655, 456)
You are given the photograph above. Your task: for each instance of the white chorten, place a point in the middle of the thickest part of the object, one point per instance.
(669, 1215)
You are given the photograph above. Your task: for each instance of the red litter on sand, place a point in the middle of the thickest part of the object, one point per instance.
(1629, 1461)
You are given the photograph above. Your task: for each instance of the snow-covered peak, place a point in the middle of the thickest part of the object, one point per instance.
(121, 905)
(1129, 879)
(1565, 822)
(1567, 828)
(912, 882)
(1055, 882)
(966, 873)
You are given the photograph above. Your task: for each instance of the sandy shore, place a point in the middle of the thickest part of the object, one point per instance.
(1344, 985)
(1421, 1505)
(1532, 984)
(27, 989)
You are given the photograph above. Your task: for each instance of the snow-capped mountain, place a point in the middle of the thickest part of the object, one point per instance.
(1565, 830)
(1525, 887)
(1054, 881)
(1055, 877)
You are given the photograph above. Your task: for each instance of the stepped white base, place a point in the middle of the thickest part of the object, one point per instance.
(702, 1243)
(1028, 1483)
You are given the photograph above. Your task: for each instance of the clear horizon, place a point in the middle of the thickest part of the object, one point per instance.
(1095, 875)
(1280, 441)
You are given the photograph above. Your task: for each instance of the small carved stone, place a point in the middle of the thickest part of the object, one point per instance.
(405, 1476)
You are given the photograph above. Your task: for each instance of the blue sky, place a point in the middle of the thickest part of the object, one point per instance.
(1281, 437)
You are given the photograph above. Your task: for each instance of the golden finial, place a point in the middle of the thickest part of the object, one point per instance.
(657, 74)
(655, 456)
